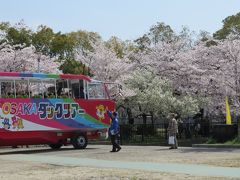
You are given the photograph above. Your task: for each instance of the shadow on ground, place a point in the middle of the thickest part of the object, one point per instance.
(196, 149)
(40, 151)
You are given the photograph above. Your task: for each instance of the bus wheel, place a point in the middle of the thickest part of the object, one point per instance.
(55, 146)
(79, 141)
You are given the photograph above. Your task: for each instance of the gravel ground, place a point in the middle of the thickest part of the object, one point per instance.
(33, 170)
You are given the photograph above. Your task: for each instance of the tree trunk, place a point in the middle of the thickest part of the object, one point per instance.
(152, 118)
(144, 116)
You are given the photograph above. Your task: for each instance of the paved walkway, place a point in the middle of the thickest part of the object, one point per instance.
(199, 170)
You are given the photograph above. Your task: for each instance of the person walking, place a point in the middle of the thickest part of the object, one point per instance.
(114, 131)
(172, 131)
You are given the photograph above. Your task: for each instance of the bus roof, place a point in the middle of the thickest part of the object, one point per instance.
(44, 75)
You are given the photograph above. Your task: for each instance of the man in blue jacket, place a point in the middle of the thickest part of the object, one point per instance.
(114, 131)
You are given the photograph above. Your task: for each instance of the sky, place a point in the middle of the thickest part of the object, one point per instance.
(126, 19)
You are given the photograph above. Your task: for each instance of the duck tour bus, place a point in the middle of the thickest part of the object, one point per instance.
(38, 108)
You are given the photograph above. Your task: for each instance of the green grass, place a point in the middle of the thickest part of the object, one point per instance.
(233, 141)
(229, 142)
(211, 141)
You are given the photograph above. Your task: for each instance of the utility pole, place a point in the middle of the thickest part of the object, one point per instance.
(38, 59)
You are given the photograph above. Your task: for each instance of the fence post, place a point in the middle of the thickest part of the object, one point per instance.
(143, 129)
(166, 131)
(121, 134)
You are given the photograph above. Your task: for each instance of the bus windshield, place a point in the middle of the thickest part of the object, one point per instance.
(96, 90)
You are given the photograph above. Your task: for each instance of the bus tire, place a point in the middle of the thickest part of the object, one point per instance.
(80, 141)
(55, 146)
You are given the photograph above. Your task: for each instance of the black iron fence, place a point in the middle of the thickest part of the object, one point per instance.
(188, 133)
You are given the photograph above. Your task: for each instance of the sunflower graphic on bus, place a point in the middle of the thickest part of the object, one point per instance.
(101, 110)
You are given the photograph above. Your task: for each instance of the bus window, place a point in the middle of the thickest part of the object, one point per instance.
(7, 89)
(96, 90)
(35, 88)
(63, 89)
(39, 88)
(49, 88)
(77, 88)
(22, 89)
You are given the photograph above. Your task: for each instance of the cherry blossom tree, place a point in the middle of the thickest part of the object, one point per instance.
(18, 58)
(199, 73)
(155, 95)
(104, 63)
(221, 64)
(170, 61)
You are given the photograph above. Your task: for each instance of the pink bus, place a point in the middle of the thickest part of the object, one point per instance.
(38, 108)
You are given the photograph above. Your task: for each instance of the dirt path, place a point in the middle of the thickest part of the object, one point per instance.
(14, 168)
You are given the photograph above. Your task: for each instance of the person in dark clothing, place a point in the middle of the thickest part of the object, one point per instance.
(82, 94)
(114, 131)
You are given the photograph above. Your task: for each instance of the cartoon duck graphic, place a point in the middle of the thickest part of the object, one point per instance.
(101, 110)
(20, 123)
